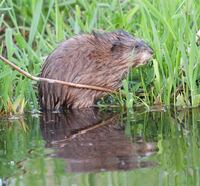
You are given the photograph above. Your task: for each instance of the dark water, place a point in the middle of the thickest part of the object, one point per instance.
(92, 147)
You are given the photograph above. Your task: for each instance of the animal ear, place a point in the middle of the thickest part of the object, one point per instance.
(116, 46)
(97, 34)
(94, 33)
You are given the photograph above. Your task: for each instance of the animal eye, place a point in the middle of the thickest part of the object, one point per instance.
(137, 46)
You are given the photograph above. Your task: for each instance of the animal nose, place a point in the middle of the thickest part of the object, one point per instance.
(150, 50)
(145, 46)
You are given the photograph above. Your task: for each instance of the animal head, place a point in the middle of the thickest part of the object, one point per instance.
(123, 47)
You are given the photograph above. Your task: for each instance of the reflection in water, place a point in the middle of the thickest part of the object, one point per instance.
(93, 141)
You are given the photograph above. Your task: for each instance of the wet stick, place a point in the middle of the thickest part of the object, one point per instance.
(63, 142)
(39, 79)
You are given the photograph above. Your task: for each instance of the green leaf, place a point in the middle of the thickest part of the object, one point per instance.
(35, 21)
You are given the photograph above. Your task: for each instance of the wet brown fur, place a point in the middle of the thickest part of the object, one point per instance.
(99, 59)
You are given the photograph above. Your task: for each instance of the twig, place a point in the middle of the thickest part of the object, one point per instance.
(39, 79)
(63, 142)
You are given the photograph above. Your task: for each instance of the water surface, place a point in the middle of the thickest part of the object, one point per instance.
(91, 147)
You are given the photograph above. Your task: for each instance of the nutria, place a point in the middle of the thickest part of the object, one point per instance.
(99, 59)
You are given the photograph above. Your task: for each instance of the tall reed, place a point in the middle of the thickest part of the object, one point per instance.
(30, 30)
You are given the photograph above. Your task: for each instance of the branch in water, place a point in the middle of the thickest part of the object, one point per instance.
(15, 67)
(109, 121)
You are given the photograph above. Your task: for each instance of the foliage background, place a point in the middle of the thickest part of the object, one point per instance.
(31, 29)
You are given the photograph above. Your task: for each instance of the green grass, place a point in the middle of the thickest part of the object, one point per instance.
(31, 29)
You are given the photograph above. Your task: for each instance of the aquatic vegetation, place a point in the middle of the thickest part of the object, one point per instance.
(29, 30)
